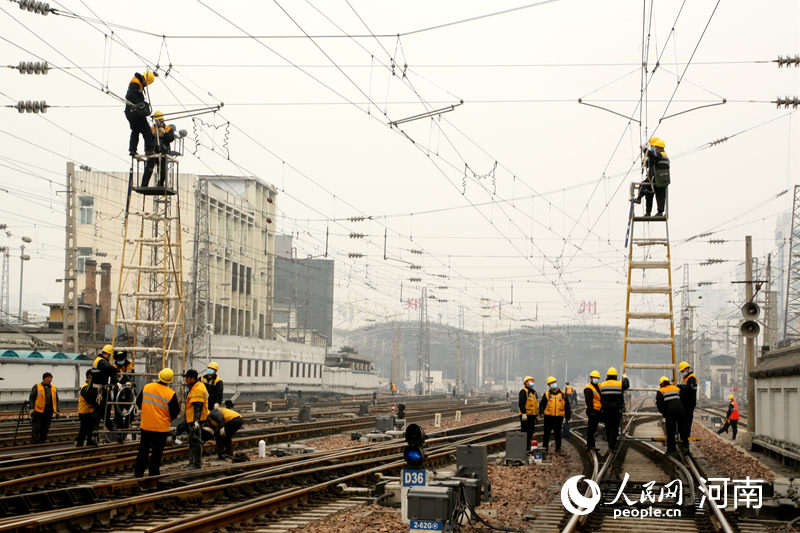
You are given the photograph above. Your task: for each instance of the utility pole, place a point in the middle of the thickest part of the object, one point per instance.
(480, 356)
(71, 339)
(750, 349)
(396, 357)
(4, 285)
(201, 283)
(791, 317)
(459, 388)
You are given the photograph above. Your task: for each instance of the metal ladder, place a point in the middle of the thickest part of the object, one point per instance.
(646, 265)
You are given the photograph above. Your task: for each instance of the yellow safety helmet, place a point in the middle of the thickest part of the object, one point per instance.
(730, 396)
(108, 349)
(166, 375)
(594, 374)
(551, 379)
(527, 379)
(655, 141)
(158, 115)
(683, 365)
(612, 372)
(662, 379)
(149, 77)
(214, 366)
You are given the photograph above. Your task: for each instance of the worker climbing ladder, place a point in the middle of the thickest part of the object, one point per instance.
(650, 236)
(149, 315)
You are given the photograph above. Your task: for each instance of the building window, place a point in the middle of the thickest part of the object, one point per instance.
(249, 274)
(83, 255)
(242, 279)
(263, 368)
(234, 277)
(304, 370)
(291, 370)
(86, 210)
(241, 361)
(248, 367)
(270, 369)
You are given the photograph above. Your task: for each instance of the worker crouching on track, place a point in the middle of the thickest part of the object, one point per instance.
(214, 386)
(44, 400)
(591, 396)
(196, 415)
(159, 406)
(613, 402)
(668, 401)
(528, 407)
(556, 409)
(86, 407)
(225, 422)
(732, 418)
(688, 387)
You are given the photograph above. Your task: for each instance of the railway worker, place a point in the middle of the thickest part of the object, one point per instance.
(122, 364)
(688, 387)
(159, 406)
(125, 368)
(658, 177)
(613, 402)
(528, 407)
(569, 390)
(137, 110)
(86, 407)
(591, 396)
(225, 422)
(163, 136)
(214, 385)
(555, 406)
(196, 414)
(732, 418)
(44, 400)
(103, 375)
(394, 389)
(668, 401)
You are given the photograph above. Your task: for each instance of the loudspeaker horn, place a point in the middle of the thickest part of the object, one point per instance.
(750, 310)
(749, 329)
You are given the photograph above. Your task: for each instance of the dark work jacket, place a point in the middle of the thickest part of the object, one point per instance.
(523, 398)
(689, 392)
(48, 398)
(102, 370)
(135, 94)
(656, 158)
(165, 136)
(215, 389)
(668, 401)
(588, 397)
(613, 398)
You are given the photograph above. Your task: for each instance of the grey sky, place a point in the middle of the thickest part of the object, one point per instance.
(520, 75)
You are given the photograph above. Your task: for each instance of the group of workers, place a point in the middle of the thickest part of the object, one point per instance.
(605, 402)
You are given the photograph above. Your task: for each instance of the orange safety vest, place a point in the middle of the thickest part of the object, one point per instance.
(531, 404)
(197, 394)
(84, 407)
(691, 375)
(555, 404)
(569, 390)
(227, 414)
(38, 406)
(671, 393)
(735, 412)
(155, 407)
(596, 404)
(127, 367)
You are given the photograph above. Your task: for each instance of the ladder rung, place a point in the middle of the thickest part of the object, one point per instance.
(650, 219)
(133, 322)
(150, 216)
(148, 349)
(151, 242)
(648, 340)
(649, 264)
(645, 366)
(649, 315)
(149, 295)
(649, 290)
(145, 268)
(649, 242)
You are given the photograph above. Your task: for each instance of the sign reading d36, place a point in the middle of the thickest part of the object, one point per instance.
(413, 478)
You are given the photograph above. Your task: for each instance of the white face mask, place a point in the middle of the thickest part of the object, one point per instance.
(595, 381)
(554, 386)
(529, 384)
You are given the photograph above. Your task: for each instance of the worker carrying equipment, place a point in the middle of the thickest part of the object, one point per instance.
(688, 389)
(556, 409)
(528, 408)
(732, 418)
(137, 110)
(159, 406)
(613, 402)
(669, 404)
(591, 396)
(163, 136)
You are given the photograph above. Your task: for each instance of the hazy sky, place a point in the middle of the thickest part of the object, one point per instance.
(521, 185)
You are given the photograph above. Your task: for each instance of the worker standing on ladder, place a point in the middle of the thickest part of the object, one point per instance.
(613, 402)
(163, 137)
(137, 110)
(104, 374)
(668, 401)
(688, 388)
(196, 414)
(658, 177)
(214, 385)
(528, 408)
(591, 396)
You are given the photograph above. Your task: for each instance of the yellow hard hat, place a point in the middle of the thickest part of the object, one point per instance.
(166, 375)
(730, 396)
(149, 77)
(683, 365)
(662, 379)
(594, 374)
(108, 349)
(655, 141)
(612, 371)
(214, 366)
(527, 379)
(158, 115)
(551, 379)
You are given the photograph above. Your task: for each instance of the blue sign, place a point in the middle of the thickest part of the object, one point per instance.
(537, 456)
(414, 478)
(426, 525)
